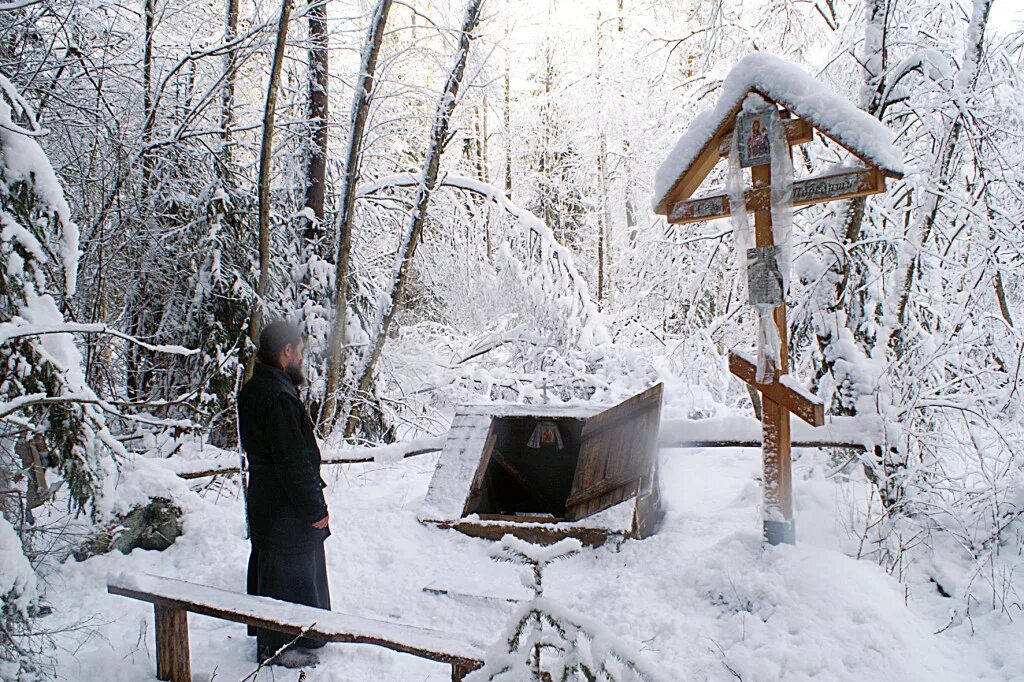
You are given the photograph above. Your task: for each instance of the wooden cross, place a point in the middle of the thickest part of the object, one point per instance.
(544, 389)
(780, 395)
(805, 107)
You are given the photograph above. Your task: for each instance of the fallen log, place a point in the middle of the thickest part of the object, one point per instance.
(393, 452)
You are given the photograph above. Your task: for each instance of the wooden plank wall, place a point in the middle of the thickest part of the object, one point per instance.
(618, 449)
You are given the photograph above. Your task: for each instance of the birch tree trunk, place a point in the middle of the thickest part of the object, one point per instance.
(266, 152)
(417, 218)
(604, 283)
(507, 117)
(604, 243)
(480, 129)
(346, 207)
(149, 26)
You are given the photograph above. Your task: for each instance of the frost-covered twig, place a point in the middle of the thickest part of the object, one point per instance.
(17, 4)
(592, 325)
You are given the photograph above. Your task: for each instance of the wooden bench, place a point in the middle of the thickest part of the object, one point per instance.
(174, 599)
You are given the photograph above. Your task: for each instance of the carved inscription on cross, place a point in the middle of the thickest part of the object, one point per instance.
(845, 184)
(780, 396)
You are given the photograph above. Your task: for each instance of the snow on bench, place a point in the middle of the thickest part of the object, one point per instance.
(173, 599)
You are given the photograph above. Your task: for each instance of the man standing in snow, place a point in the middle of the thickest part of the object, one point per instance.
(286, 509)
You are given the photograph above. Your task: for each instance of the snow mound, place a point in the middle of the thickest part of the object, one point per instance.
(17, 579)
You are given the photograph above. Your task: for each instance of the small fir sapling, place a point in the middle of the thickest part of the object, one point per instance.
(546, 642)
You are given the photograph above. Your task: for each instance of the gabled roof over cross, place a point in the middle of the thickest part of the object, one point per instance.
(700, 148)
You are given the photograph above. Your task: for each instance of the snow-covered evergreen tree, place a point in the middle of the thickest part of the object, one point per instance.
(44, 388)
(42, 382)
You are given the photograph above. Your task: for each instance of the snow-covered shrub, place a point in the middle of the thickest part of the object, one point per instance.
(17, 590)
(545, 641)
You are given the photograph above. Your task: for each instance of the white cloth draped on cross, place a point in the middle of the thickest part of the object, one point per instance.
(776, 259)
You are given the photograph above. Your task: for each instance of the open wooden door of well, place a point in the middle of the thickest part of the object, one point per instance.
(618, 456)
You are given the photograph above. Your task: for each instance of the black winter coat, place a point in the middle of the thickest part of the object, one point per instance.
(285, 493)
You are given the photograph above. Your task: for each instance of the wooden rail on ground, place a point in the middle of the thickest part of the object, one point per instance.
(756, 443)
(217, 470)
(852, 433)
(174, 599)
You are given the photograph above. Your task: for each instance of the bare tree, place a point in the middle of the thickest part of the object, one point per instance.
(136, 376)
(266, 151)
(346, 206)
(418, 216)
(943, 169)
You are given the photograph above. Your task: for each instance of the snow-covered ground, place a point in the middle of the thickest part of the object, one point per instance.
(701, 599)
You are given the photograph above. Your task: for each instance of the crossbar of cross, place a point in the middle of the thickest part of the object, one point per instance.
(846, 184)
(807, 407)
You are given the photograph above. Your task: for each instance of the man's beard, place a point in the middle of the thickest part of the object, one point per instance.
(296, 374)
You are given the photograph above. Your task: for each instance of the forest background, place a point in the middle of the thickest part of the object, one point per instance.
(158, 205)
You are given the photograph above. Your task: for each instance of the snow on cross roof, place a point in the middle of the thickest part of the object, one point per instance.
(792, 87)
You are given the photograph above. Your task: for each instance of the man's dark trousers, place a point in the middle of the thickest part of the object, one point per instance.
(298, 578)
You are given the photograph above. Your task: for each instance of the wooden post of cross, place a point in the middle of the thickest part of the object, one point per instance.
(777, 399)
